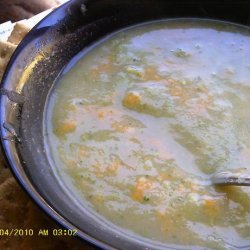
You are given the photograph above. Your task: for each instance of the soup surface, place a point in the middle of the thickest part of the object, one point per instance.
(141, 120)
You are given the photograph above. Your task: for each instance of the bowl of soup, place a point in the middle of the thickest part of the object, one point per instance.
(121, 131)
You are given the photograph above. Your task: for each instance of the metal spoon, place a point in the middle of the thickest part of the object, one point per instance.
(229, 178)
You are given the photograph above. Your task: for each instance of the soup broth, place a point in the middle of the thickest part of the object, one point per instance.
(142, 119)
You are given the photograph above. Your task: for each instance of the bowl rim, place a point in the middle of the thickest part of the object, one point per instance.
(54, 17)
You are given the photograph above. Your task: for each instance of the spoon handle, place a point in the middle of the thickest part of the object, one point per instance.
(228, 178)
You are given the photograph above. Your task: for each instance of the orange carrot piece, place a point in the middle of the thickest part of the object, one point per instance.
(65, 128)
(142, 185)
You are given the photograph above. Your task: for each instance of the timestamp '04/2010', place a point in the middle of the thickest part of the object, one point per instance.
(16, 232)
(40, 232)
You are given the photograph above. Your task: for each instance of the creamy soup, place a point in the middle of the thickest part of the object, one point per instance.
(142, 119)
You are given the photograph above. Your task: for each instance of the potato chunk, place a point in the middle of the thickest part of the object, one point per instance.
(150, 98)
(132, 100)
